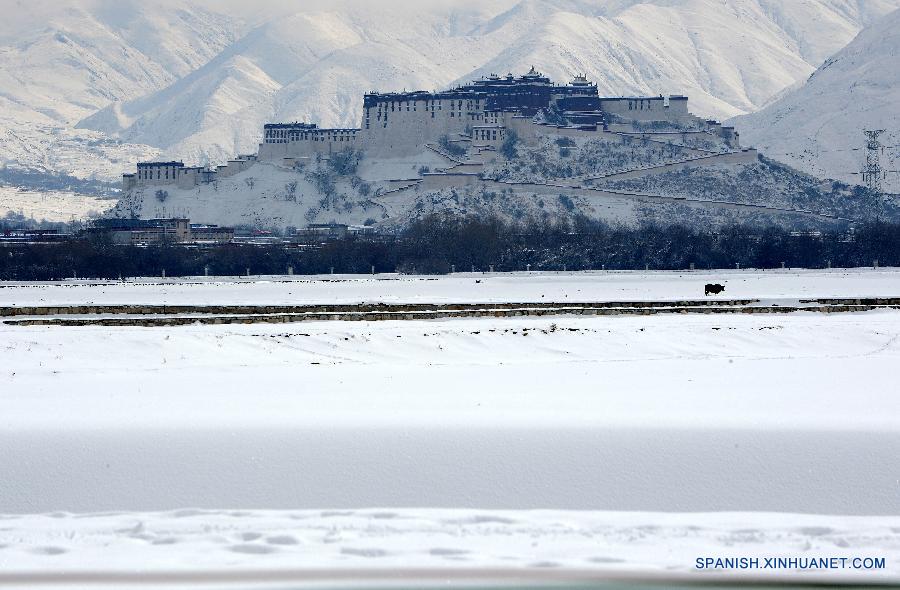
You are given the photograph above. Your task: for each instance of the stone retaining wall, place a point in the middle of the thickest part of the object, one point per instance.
(441, 313)
(749, 156)
(342, 308)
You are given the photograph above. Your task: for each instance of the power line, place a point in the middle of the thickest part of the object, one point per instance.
(811, 153)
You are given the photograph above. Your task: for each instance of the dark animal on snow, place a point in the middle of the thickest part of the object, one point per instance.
(714, 288)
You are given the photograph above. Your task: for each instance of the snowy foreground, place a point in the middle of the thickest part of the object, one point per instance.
(545, 541)
(607, 443)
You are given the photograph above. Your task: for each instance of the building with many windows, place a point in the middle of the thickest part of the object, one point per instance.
(482, 114)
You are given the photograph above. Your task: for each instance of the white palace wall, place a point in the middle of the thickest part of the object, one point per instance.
(654, 108)
(402, 127)
(309, 144)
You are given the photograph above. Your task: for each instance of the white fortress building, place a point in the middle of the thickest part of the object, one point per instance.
(480, 115)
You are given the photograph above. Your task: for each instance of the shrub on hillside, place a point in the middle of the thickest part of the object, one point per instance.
(454, 149)
(345, 162)
(508, 148)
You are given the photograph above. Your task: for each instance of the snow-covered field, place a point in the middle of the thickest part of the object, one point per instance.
(792, 413)
(461, 287)
(51, 205)
(495, 442)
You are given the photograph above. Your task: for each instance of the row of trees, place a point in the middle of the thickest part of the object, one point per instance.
(438, 244)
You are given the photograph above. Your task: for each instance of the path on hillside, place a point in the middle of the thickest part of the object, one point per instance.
(436, 182)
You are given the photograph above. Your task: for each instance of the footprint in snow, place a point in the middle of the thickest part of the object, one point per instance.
(252, 549)
(333, 513)
(481, 519)
(815, 531)
(365, 552)
(447, 552)
(49, 550)
(281, 540)
(187, 513)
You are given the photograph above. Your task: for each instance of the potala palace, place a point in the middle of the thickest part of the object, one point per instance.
(520, 147)
(477, 117)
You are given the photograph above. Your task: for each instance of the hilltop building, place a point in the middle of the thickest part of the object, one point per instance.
(181, 176)
(478, 115)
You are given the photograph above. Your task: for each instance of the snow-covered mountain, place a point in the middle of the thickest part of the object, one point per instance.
(729, 57)
(65, 61)
(309, 65)
(195, 79)
(315, 65)
(818, 125)
(61, 62)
